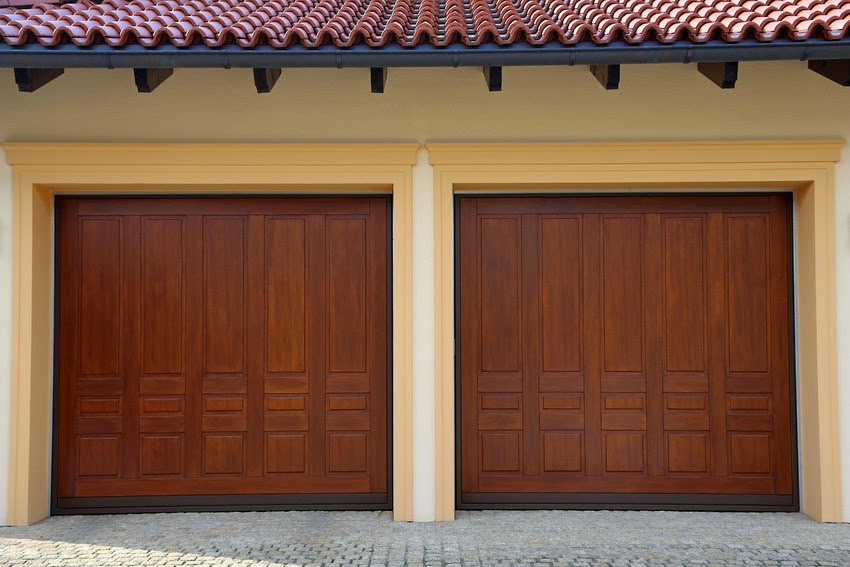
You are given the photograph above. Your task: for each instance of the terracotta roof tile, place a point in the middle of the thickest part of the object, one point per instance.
(344, 23)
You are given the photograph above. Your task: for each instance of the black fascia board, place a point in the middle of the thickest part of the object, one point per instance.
(232, 56)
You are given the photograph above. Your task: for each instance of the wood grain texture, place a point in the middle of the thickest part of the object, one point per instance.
(211, 345)
(624, 344)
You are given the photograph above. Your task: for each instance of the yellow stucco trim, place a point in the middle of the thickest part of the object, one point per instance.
(806, 167)
(43, 170)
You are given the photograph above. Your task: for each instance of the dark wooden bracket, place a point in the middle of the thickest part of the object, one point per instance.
(837, 70)
(493, 76)
(723, 75)
(30, 80)
(379, 78)
(265, 78)
(607, 75)
(149, 79)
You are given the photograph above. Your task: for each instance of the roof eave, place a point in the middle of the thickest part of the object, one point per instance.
(233, 56)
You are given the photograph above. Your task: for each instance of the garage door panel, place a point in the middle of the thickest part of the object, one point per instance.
(560, 294)
(626, 372)
(100, 297)
(747, 258)
(500, 301)
(225, 287)
(622, 296)
(163, 328)
(225, 322)
(685, 295)
(347, 296)
(286, 292)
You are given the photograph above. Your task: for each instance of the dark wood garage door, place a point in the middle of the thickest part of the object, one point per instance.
(226, 353)
(625, 352)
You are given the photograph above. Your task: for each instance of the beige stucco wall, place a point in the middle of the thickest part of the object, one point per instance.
(655, 102)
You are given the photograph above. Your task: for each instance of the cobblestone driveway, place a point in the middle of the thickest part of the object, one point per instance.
(477, 538)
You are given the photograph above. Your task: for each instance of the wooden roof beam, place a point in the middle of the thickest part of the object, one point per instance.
(29, 80)
(378, 76)
(837, 70)
(493, 76)
(724, 75)
(266, 78)
(607, 75)
(149, 79)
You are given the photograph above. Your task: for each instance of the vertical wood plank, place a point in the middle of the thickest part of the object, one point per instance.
(68, 280)
(717, 360)
(377, 326)
(131, 344)
(529, 343)
(653, 303)
(255, 354)
(194, 351)
(469, 347)
(317, 325)
(593, 348)
(780, 366)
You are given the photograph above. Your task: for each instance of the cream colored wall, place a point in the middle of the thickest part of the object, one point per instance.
(423, 339)
(5, 328)
(842, 274)
(655, 102)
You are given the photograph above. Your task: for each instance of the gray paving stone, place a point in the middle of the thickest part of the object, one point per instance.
(491, 539)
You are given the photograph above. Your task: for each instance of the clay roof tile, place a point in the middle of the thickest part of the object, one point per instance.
(345, 23)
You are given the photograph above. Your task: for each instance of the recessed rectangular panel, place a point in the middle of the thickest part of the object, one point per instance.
(224, 305)
(748, 294)
(162, 296)
(687, 453)
(749, 453)
(224, 454)
(499, 383)
(223, 403)
(97, 455)
(161, 455)
(499, 402)
(286, 275)
(285, 403)
(162, 404)
(339, 402)
(622, 297)
(750, 404)
(499, 420)
(624, 402)
(500, 302)
(685, 402)
(625, 453)
(500, 452)
(347, 452)
(347, 295)
(684, 294)
(561, 401)
(560, 294)
(286, 453)
(100, 296)
(562, 452)
(99, 406)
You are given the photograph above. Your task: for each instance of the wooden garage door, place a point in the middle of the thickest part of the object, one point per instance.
(211, 347)
(625, 352)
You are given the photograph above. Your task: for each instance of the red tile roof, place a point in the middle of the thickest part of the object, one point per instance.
(344, 23)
